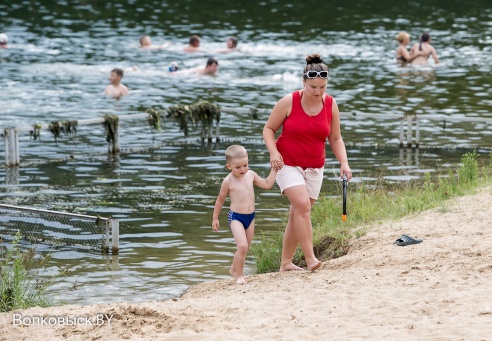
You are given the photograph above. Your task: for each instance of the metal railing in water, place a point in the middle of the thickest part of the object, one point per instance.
(22, 146)
(60, 228)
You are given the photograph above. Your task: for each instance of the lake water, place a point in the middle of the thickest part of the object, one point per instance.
(58, 64)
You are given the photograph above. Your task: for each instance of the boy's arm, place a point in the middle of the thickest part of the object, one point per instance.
(265, 183)
(224, 189)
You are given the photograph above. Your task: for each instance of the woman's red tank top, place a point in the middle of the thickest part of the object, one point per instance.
(303, 137)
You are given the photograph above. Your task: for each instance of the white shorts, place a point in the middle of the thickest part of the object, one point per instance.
(312, 178)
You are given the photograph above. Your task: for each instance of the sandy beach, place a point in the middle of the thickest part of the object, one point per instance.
(440, 289)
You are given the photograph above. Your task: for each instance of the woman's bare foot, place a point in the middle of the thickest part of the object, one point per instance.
(315, 266)
(240, 280)
(289, 266)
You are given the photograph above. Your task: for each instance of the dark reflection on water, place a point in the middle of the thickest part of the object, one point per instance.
(59, 60)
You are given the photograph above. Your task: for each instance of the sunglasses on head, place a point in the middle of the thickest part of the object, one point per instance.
(314, 74)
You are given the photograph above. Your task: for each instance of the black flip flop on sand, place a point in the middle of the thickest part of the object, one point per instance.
(406, 240)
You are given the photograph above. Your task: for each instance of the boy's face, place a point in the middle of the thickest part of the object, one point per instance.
(212, 69)
(238, 167)
(114, 78)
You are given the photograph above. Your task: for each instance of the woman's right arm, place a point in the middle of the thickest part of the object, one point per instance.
(277, 117)
(409, 56)
(434, 55)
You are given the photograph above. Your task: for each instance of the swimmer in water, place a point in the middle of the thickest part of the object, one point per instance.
(146, 43)
(4, 39)
(231, 45)
(211, 68)
(194, 44)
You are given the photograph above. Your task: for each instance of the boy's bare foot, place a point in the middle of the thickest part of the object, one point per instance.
(289, 266)
(240, 280)
(315, 266)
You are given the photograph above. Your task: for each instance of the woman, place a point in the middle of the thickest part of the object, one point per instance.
(308, 117)
(425, 49)
(402, 55)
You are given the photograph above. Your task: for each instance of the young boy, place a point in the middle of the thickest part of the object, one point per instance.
(238, 185)
(116, 89)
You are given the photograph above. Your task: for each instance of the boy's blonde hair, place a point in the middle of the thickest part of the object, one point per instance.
(235, 152)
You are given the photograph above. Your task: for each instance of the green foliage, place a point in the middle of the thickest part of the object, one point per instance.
(111, 127)
(19, 286)
(201, 111)
(70, 127)
(180, 114)
(254, 113)
(36, 132)
(371, 205)
(154, 119)
(205, 112)
(268, 253)
(468, 172)
(55, 129)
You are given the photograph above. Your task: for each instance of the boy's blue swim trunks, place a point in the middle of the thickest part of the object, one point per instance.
(244, 219)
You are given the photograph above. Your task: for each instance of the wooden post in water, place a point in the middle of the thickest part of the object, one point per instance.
(115, 235)
(401, 131)
(210, 128)
(114, 144)
(417, 131)
(11, 147)
(217, 131)
(409, 131)
(106, 236)
(6, 134)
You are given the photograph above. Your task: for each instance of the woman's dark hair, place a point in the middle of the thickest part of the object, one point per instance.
(314, 62)
(212, 61)
(234, 41)
(424, 39)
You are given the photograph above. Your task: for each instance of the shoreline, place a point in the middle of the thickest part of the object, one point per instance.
(436, 290)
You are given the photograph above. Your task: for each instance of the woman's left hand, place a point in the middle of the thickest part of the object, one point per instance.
(276, 161)
(345, 169)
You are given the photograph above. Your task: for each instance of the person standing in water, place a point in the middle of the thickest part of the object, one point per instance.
(116, 89)
(402, 55)
(426, 50)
